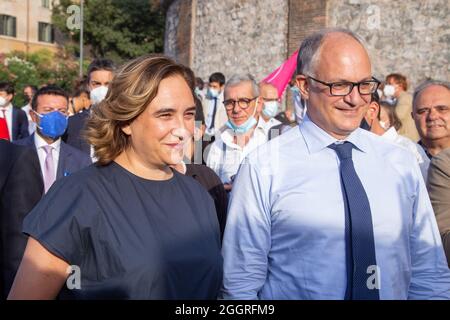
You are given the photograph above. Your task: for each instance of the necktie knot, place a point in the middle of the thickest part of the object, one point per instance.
(47, 149)
(343, 150)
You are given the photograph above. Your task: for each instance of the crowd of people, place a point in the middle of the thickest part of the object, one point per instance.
(157, 185)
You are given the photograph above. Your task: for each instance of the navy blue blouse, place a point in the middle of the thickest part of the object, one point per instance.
(131, 238)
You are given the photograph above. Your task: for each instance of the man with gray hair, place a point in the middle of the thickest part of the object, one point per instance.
(243, 131)
(336, 212)
(431, 113)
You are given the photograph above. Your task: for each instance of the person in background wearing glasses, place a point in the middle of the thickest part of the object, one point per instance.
(331, 211)
(243, 131)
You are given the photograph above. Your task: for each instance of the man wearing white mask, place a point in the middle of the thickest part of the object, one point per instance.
(13, 121)
(397, 83)
(243, 132)
(213, 107)
(28, 93)
(269, 108)
(99, 75)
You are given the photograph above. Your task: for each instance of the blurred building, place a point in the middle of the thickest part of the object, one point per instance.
(25, 25)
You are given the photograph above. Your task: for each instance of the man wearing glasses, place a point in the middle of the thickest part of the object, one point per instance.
(328, 210)
(243, 131)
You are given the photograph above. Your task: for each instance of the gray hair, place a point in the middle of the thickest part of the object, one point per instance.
(239, 78)
(429, 83)
(310, 47)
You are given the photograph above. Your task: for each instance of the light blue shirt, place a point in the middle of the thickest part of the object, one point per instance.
(284, 237)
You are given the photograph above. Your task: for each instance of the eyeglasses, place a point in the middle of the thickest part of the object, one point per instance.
(243, 103)
(344, 88)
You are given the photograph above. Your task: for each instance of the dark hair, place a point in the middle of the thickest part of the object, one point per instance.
(199, 83)
(50, 90)
(400, 79)
(217, 77)
(33, 88)
(100, 64)
(7, 87)
(376, 98)
(199, 115)
(80, 88)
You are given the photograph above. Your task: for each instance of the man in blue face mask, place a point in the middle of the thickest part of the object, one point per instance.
(57, 159)
(243, 131)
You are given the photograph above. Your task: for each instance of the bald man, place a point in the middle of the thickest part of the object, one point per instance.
(331, 211)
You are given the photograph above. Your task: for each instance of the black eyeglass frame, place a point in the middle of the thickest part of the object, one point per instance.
(353, 84)
(231, 102)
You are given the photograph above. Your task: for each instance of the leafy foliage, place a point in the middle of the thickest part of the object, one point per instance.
(116, 29)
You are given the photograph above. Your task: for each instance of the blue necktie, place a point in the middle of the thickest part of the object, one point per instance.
(360, 246)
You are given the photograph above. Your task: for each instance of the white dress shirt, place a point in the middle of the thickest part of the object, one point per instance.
(220, 117)
(8, 112)
(31, 124)
(56, 147)
(285, 232)
(225, 156)
(417, 151)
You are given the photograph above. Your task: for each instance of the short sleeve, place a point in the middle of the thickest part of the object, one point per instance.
(60, 221)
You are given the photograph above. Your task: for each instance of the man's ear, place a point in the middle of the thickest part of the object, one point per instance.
(33, 116)
(372, 111)
(302, 85)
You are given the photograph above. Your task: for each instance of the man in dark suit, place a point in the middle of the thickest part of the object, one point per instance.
(439, 190)
(100, 74)
(16, 119)
(56, 159)
(21, 187)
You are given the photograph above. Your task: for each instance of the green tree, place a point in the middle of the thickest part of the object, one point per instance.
(38, 68)
(116, 29)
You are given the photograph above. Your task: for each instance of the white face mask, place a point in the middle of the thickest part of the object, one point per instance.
(213, 93)
(270, 109)
(3, 102)
(384, 125)
(299, 111)
(388, 90)
(98, 94)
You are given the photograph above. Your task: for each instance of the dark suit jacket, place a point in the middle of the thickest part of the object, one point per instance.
(70, 159)
(74, 133)
(439, 190)
(19, 124)
(21, 187)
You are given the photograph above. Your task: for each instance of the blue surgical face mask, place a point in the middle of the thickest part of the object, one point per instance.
(270, 109)
(198, 92)
(212, 93)
(52, 124)
(246, 126)
(295, 90)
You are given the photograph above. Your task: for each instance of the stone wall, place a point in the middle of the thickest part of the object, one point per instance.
(178, 33)
(237, 36)
(409, 37)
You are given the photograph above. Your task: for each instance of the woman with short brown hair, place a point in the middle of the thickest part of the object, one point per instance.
(130, 226)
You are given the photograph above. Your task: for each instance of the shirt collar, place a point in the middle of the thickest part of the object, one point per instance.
(7, 108)
(39, 142)
(390, 134)
(317, 139)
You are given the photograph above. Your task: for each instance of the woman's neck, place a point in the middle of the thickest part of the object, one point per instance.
(132, 162)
